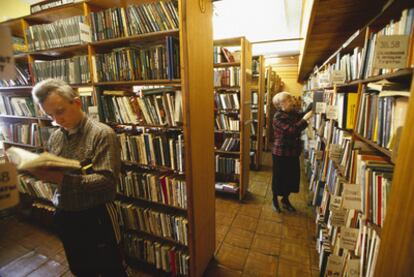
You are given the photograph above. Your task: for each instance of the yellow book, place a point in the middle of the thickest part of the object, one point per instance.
(351, 110)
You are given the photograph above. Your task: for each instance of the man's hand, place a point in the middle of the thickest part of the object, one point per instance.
(47, 174)
(308, 115)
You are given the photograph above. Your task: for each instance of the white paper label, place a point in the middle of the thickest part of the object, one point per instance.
(331, 112)
(353, 267)
(334, 266)
(320, 107)
(336, 202)
(391, 51)
(352, 197)
(85, 32)
(349, 237)
(338, 217)
(7, 68)
(338, 77)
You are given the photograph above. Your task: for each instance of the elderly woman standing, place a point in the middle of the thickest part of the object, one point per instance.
(288, 124)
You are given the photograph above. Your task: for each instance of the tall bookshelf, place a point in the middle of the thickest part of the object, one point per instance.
(257, 110)
(356, 162)
(232, 168)
(273, 86)
(185, 72)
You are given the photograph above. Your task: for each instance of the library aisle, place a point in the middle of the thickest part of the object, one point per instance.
(252, 240)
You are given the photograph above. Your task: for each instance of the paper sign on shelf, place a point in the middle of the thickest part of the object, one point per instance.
(352, 197)
(338, 77)
(349, 237)
(320, 107)
(331, 112)
(338, 217)
(9, 195)
(7, 68)
(334, 265)
(391, 51)
(353, 267)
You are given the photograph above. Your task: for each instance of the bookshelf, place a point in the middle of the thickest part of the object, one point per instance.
(273, 86)
(257, 110)
(232, 79)
(187, 81)
(358, 160)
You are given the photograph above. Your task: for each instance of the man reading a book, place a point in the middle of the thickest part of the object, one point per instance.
(86, 219)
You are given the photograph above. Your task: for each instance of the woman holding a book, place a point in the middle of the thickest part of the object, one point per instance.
(288, 124)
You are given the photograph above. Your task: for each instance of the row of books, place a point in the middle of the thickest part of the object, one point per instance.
(152, 17)
(227, 165)
(361, 63)
(228, 123)
(22, 77)
(163, 188)
(231, 144)
(227, 187)
(227, 77)
(45, 5)
(152, 149)
(225, 101)
(19, 106)
(60, 33)
(162, 256)
(36, 188)
(154, 107)
(30, 134)
(156, 62)
(74, 70)
(163, 225)
(382, 115)
(223, 55)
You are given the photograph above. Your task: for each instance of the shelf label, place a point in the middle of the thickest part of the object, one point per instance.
(335, 265)
(85, 32)
(338, 77)
(7, 68)
(9, 195)
(353, 267)
(320, 107)
(336, 202)
(338, 217)
(352, 197)
(323, 80)
(391, 51)
(349, 237)
(331, 112)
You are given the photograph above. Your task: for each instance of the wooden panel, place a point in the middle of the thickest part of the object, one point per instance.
(260, 112)
(397, 249)
(198, 108)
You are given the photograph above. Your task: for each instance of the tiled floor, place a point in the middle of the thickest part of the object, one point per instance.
(252, 240)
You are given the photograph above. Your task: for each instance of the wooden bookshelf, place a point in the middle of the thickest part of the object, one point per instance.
(258, 87)
(394, 254)
(244, 47)
(273, 86)
(196, 72)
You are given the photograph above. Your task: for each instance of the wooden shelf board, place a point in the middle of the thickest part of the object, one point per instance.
(236, 41)
(153, 167)
(229, 64)
(21, 58)
(374, 145)
(226, 131)
(227, 88)
(25, 117)
(60, 52)
(23, 145)
(120, 125)
(142, 38)
(15, 88)
(138, 199)
(227, 152)
(140, 82)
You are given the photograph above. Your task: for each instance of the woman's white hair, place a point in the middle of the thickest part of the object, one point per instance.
(280, 97)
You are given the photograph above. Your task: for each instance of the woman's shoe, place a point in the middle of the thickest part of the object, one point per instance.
(276, 207)
(286, 205)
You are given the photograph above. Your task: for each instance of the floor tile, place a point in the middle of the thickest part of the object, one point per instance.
(293, 251)
(266, 244)
(232, 257)
(269, 228)
(239, 237)
(258, 264)
(245, 222)
(23, 265)
(292, 269)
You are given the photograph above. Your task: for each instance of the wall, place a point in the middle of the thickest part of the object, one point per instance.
(287, 69)
(13, 9)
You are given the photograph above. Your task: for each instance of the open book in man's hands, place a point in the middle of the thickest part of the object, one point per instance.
(27, 160)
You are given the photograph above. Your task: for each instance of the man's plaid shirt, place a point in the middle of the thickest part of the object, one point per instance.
(287, 129)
